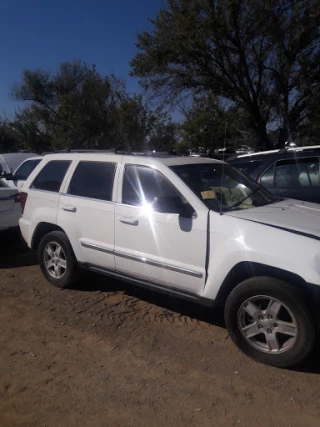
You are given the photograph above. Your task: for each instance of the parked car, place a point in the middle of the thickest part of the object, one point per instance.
(292, 173)
(10, 161)
(233, 151)
(191, 227)
(10, 210)
(21, 173)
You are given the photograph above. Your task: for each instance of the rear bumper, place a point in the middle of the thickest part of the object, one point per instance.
(25, 227)
(10, 219)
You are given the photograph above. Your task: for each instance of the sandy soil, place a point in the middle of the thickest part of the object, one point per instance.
(109, 354)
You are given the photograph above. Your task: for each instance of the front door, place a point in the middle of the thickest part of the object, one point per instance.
(161, 247)
(86, 213)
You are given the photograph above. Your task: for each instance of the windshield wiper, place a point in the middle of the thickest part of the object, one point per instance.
(244, 199)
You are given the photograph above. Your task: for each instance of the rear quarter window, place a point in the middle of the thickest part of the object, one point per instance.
(23, 172)
(51, 176)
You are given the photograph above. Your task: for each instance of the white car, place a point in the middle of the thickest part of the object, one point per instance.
(21, 172)
(10, 210)
(191, 227)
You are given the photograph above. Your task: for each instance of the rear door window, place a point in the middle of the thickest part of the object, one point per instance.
(295, 173)
(93, 180)
(51, 176)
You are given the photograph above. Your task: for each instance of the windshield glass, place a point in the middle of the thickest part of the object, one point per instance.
(222, 187)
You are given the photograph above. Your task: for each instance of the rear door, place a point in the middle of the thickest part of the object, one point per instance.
(86, 212)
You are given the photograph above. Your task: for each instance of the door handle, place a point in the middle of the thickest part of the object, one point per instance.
(69, 208)
(129, 220)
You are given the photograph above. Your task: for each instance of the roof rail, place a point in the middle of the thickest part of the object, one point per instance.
(282, 151)
(306, 148)
(118, 150)
(258, 153)
(122, 150)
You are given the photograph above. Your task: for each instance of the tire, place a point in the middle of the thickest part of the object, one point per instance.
(66, 272)
(279, 337)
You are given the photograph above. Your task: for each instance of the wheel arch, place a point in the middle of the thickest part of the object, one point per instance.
(41, 230)
(246, 270)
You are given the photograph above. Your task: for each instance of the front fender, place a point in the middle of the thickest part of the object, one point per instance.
(234, 240)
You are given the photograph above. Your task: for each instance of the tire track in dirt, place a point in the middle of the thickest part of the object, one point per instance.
(117, 306)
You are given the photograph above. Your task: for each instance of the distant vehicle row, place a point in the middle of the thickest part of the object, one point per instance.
(293, 173)
(11, 184)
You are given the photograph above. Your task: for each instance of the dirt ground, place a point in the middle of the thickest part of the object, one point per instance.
(109, 354)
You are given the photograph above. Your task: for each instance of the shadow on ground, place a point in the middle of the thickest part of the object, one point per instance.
(214, 316)
(93, 282)
(14, 252)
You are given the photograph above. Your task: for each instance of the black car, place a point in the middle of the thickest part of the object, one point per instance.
(292, 173)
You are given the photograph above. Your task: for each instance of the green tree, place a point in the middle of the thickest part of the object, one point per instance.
(72, 108)
(260, 56)
(134, 122)
(78, 108)
(9, 141)
(164, 135)
(209, 124)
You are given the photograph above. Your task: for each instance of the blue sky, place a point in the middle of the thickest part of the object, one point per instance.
(44, 33)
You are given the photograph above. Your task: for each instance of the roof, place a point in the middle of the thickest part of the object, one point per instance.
(275, 155)
(288, 151)
(167, 160)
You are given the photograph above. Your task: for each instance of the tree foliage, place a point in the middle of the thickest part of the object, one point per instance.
(261, 56)
(9, 141)
(78, 108)
(209, 124)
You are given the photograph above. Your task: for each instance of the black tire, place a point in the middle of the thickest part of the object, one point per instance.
(292, 299)
(71, 272)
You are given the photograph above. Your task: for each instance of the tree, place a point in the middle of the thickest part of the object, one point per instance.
(79, 108)
(164, 135)
(209, 124)
(134, 122)
(8, 139)
(260, 56)
(73, 108)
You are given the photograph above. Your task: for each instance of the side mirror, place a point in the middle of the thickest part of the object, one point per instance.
(8, 176)
(168, 204)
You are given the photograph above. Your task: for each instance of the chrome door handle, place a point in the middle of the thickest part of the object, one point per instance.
(128, 220)
(69, 208)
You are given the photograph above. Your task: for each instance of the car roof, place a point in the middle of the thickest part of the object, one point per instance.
(10, 161)
(275, 155)
(33, 158)
(167, 160)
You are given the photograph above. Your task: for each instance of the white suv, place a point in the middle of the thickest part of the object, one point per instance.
(188, 226)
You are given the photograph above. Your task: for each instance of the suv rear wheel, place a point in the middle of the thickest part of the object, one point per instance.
(268, 320)
(57, 260)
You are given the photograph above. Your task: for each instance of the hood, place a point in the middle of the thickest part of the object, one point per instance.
(290, 215)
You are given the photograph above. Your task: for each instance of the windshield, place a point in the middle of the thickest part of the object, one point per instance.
(222, 187)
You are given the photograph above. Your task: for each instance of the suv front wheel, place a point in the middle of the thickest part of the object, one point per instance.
(57, 260)
(269, 321)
